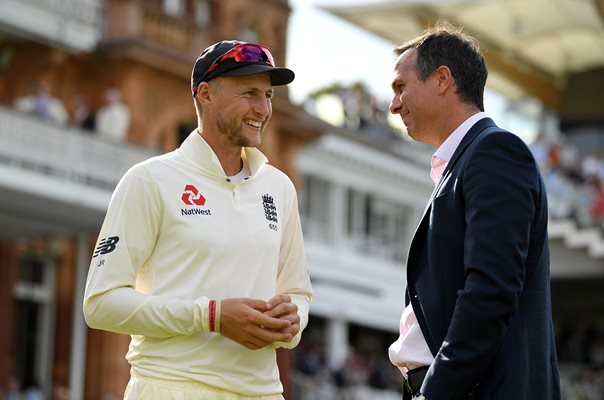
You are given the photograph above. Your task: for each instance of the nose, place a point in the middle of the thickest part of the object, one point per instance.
(263, 107)
(395, 104)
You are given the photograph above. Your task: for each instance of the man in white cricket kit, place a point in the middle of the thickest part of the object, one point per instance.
(200, 258)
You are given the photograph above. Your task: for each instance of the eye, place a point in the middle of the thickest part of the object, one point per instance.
(397, 88)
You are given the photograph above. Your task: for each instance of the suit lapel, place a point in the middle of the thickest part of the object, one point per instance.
(469, 137)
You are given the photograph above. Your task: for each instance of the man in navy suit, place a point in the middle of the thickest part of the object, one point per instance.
(477, 322)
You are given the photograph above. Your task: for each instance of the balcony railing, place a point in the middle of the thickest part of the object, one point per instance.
(170, 31)
(74, 24)
(87, 11)
(64, 153)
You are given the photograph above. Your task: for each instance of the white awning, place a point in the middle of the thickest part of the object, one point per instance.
(531, 46)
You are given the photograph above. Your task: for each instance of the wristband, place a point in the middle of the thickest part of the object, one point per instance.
(212, 315)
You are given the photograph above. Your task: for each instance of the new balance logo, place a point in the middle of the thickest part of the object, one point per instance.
(191, 196)
(106, 246)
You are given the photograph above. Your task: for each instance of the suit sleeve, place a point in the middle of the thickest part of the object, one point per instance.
(126, 241)
(292, 277)
(500, 191)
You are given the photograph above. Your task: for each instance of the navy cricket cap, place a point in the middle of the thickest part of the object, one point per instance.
(237, 58)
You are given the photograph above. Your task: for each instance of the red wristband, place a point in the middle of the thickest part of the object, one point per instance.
(212, 315)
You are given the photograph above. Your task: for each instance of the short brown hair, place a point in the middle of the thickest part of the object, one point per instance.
(446, 44)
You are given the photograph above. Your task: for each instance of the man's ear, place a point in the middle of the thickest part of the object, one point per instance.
(204, 94)
(444, 78)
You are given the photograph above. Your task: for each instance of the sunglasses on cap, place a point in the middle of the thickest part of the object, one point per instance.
(243, 53)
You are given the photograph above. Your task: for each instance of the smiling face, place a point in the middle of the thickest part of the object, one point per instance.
(242, 108)
(414, 100)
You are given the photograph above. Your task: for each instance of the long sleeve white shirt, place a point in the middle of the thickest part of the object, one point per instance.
(177, 234)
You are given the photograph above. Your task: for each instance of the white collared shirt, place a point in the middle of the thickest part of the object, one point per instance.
(447, 149)
(411, 350)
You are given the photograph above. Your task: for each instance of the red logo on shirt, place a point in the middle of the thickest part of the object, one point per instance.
(191, 196)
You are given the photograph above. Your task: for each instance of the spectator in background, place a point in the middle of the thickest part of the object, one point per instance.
(33, 392)
(83, 116)
(311, 361)
(113, 119)
(12, 389)
(60, 392)
(597, 203)
(351, 375)
(569, 156)
(592, 165)
(382, 375)
(541, 151)
(42, 104)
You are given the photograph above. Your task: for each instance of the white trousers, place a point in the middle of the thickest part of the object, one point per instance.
(142, 388)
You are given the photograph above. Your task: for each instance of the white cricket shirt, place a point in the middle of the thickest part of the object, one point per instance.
(177, 234)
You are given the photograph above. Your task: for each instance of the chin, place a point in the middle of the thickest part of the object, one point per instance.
(256, 141)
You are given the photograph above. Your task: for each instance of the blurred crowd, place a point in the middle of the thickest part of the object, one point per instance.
(574, 183)
(31, 391)
(354, 108)
(110, 121)
(580, 383)
(580, 349)
(360, 377)
(364, 377)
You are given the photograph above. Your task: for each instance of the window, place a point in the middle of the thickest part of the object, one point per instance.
(314, 208)
(370, 224)
(202, 13)
(377, 226)
(250, 34)
(34, 295)
(175, 8)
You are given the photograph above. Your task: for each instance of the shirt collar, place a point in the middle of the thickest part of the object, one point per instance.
(199, 152)
(446, 150)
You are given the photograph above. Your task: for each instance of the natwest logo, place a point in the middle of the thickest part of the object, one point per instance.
(191, 196)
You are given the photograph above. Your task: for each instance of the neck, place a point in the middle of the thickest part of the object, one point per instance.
(452, 121)
(228, 155)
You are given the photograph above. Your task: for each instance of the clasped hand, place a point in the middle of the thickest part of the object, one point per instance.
(258, 323)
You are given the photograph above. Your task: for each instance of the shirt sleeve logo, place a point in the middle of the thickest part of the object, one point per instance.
(106, 246)
(270, 211)
(191, 196)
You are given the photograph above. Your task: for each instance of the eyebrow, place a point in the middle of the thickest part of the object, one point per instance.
(257, 89)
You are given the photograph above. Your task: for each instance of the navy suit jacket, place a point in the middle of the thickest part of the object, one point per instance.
(478, 275)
